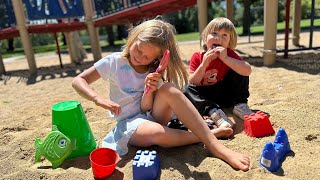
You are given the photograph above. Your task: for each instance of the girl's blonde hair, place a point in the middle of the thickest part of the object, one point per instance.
(218, 24)
(161, 34)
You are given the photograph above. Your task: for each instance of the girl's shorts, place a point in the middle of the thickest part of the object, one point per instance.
(119, 137)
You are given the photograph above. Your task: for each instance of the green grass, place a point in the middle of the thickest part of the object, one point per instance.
(36, 49)
(305, 24)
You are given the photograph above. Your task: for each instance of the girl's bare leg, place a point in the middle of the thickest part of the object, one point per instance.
(151, 133)
(170, 99)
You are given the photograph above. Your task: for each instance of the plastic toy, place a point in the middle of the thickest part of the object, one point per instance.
(56, 147)
(146, 165)
(273, 154)
(163, 64)
(70, 119)
(257, 125)
(103, 162)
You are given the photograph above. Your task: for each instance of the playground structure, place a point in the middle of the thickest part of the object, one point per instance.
(91, 15)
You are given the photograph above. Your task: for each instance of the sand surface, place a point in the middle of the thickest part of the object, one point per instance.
(287, 91)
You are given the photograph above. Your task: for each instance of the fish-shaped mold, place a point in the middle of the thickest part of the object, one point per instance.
(56, 147)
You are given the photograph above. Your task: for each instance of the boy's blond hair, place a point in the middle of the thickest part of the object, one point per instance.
(161, 34)
(218, 24)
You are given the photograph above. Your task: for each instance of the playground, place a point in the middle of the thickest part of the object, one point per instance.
(287, 91)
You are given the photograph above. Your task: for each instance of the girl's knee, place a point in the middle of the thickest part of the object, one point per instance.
(148, 134)
(169, 89)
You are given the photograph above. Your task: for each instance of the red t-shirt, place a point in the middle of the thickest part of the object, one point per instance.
(215, 71)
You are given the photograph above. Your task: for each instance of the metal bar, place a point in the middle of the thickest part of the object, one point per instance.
(311, 24)
(286, 38)
(58, 49)
(299, 49)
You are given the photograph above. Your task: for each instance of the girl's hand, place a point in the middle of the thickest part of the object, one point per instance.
(209, 56)
(108, 104)
(152, 81)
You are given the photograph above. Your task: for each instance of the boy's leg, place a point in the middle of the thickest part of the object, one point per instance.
(203, 97)
(199, 97)
(237, 89)
(169, 98)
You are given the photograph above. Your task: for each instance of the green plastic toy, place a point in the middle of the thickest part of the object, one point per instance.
(70, 119)
(56, 147)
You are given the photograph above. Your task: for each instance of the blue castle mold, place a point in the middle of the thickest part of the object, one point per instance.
(146, 165)
(273, 154)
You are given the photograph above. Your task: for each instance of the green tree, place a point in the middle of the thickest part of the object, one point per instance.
(216, 9)
(185, 20)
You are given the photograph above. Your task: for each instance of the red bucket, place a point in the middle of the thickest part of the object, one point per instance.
(103, 162)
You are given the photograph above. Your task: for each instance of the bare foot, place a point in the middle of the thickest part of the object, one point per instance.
(222, 132)
(235, 159)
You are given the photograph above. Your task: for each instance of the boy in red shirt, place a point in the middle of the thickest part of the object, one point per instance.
(218, 76)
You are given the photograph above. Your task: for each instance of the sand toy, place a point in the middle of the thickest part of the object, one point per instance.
(146, 165)
(70, 119)
(273, 154)
(257, 125)
(55, 148)
(103, 162)
(163, 65)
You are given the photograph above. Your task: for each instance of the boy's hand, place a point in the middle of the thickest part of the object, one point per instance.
(108, 104)
(152, 81)
(221, 52)
(209, 56)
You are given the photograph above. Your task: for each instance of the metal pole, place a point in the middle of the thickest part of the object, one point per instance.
(58, 48)
(286, 37)
(2, 69)
(311, 24)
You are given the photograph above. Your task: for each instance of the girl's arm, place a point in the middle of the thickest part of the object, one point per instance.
(81, 85)
(82, 81)
(151, 81)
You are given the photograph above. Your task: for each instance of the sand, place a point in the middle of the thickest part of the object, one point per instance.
(287, 91)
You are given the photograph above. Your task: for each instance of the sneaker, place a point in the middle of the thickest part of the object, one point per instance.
(241, 110)
(220, 119)
(176, 124)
